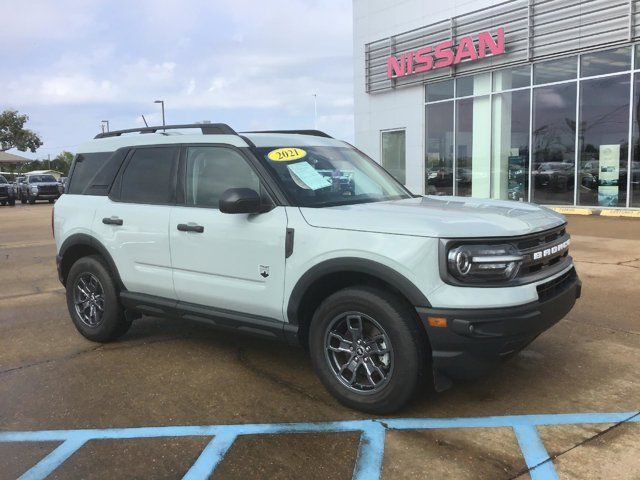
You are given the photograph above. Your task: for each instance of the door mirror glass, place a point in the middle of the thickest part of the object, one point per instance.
(240, 200)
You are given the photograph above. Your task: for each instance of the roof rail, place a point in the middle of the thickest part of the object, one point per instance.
(315, 133)
(206, 128)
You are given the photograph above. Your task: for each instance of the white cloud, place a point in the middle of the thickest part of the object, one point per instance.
(258, 63)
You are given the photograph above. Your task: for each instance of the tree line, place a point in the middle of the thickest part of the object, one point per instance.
(13, 134)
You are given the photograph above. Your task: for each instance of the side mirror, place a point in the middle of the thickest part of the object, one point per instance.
(240, 200)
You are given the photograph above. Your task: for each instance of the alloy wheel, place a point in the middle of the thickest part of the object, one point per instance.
(88, 298)
(359, 352)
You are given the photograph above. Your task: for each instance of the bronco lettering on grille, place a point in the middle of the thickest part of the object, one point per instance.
(552, 250)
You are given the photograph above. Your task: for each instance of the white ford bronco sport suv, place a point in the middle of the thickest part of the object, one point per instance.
(297, 236)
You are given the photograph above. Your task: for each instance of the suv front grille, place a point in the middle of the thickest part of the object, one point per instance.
(556, 286)
(543, 251)
(47, 189)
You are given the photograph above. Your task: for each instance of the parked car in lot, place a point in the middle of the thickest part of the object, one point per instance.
(554, 176)
(7, 192)
(40, 187)
(18, 185)
(387, 290)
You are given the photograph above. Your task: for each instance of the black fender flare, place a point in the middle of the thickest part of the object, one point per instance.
(87, 240)
(350, 265)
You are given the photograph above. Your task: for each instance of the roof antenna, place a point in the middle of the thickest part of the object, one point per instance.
(145, 121)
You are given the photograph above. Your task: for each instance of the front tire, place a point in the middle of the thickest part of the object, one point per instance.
(92, 300)
(12, 202)
(23, 199)
(368, 349)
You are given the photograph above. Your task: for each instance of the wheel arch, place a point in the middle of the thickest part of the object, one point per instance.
(81, 245)
(335, 274)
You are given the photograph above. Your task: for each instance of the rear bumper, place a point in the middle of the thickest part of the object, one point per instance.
(474, 341)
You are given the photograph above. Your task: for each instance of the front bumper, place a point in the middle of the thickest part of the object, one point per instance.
(4, 196)
(475, 340)
(46, 196)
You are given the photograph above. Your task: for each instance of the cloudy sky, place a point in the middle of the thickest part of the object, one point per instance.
(252, 64)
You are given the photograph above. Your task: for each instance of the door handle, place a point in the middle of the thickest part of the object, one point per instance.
(185, 227)
(112, 221)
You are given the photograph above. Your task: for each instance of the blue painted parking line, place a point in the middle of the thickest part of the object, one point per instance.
(370, 451)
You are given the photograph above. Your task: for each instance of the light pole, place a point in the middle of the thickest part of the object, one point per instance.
(161, 102)
(105, 122)
(315, 111)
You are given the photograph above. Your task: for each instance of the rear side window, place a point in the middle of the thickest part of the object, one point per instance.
(149, 177)
(85, 167)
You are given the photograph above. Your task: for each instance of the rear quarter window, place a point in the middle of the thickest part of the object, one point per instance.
(84, 168)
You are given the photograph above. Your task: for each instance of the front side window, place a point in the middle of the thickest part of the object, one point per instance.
(150, 176)
(3, 180)
(321, 176)
(212, 170)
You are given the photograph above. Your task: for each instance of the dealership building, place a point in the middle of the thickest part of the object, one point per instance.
(528, 100)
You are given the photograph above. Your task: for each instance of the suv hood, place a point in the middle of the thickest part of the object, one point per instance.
(444, 217)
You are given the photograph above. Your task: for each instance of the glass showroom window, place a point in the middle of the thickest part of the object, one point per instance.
(473, 147)
(511, 146)
(439, 146)
(634, 173)
(393, 146)
(555, 70)
(553, 144)
(603, 141)
(608, 61)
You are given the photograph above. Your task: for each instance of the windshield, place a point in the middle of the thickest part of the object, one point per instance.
(41, 178)
(2, 179)
(330, 176)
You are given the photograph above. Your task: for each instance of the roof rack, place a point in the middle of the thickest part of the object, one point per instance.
(315, 133)
(206, 128)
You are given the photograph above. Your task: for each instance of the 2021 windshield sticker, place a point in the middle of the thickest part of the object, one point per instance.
(286, 154)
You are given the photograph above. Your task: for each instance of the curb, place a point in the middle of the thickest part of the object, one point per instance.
(635, 213)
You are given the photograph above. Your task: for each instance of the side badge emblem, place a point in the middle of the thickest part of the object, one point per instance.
(264, 271)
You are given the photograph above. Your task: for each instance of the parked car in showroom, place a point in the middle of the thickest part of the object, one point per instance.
(388, 291)
(7, 192)
(40, 187)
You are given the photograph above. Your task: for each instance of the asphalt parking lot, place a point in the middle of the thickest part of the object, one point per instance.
(163, 373)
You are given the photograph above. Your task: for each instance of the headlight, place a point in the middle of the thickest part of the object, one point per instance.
(478, 263)
(34, 189)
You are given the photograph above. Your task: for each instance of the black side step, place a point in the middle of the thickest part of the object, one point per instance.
(225, 319)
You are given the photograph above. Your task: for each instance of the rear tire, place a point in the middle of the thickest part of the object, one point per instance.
(383, 383)
(3, 203)
(92, 300)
